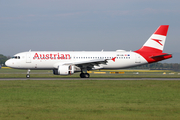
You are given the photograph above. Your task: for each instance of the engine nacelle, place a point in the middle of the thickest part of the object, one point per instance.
(64, 70)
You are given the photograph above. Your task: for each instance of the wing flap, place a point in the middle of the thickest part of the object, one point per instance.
(90, 64)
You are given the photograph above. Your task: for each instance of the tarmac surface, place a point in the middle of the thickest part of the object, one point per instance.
(89, 79)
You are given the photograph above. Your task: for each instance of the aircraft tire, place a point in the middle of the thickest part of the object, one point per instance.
(84, 75)
(27, 76)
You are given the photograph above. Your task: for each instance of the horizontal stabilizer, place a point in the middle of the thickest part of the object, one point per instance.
(160, 56)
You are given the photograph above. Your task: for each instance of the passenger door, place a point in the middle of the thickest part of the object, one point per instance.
(28, 57)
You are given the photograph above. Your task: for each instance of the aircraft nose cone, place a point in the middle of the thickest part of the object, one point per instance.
(7, 63)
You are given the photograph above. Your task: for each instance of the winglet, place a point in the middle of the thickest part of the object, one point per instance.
(113, 59)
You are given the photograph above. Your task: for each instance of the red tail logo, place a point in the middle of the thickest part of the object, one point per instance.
(158, 41)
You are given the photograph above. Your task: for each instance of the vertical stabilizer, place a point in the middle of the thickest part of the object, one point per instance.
(157, 40)
(152, 50)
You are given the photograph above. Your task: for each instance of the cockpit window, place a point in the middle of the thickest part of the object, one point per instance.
(16, 57)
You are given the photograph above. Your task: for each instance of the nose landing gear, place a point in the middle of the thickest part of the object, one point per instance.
(28, 73)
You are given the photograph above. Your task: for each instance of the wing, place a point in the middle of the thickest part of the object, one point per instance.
(89, 65)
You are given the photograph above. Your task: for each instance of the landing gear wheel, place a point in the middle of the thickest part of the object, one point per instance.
(28, 73)
(84, 75)
(27, 76)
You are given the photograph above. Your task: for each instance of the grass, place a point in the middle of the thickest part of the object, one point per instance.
(90, 100)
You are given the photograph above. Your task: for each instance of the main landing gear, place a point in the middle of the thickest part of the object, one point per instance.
(28, 73)
(84, 75)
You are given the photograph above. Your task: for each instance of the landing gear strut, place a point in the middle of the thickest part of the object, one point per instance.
(28, 73)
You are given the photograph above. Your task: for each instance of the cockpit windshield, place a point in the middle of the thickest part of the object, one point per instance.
(16, 57)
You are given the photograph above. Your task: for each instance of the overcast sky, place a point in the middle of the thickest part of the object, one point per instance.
(92, 25)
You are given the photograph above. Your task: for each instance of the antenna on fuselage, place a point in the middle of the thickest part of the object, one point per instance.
(30, 50)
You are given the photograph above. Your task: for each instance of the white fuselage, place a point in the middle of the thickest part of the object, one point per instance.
(52, 59)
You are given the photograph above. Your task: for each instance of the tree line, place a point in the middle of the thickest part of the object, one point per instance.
(3, 59)
(152, 66)
(160, 66)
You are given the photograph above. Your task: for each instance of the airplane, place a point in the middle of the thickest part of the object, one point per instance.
(69, 62)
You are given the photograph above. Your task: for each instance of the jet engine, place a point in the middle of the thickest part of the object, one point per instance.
(64, 70)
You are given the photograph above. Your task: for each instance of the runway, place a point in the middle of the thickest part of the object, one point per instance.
(89, 79)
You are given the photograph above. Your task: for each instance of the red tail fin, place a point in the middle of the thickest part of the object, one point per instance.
(157, 40)
(153, 48)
